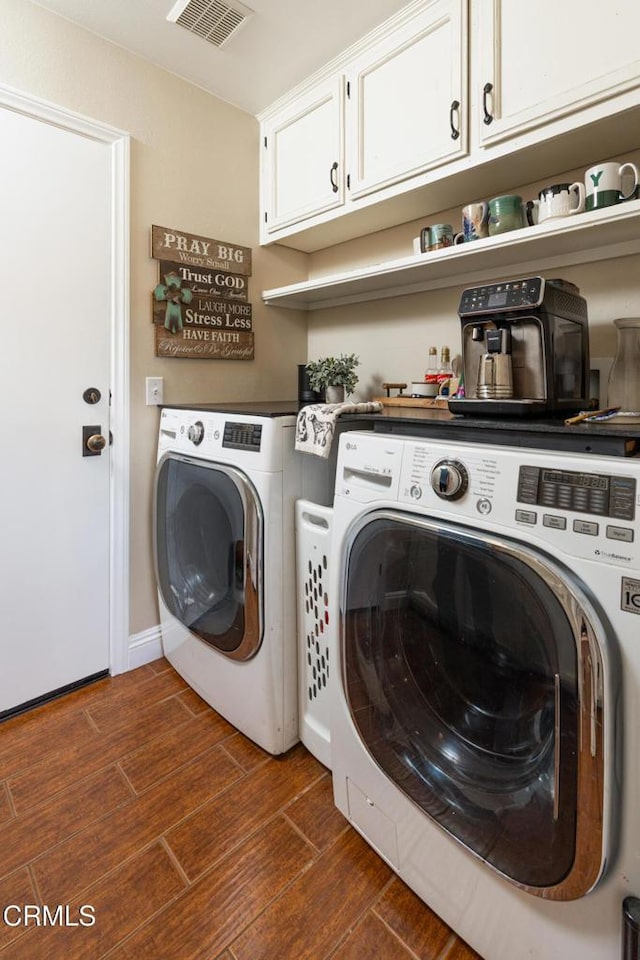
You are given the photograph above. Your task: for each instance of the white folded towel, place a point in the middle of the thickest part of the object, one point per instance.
(316, 424)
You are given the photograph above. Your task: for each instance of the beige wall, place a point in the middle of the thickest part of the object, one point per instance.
(194, 166)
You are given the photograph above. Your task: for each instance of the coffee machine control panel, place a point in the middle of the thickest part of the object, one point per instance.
(501, 297)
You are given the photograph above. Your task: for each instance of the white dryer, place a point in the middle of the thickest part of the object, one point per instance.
(488, 698)
(227, 480)
(226, 484)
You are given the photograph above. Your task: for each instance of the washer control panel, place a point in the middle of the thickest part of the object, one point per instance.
(251, 442)
(585, 506)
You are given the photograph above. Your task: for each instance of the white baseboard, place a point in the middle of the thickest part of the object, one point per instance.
(144, 647)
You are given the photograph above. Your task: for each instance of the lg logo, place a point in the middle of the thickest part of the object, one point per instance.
(630, 598)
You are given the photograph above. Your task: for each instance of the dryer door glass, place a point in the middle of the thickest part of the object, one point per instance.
(208, 531)
(462, 659)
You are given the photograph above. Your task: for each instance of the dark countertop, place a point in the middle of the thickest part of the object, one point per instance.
(604, 439)
(256, 408)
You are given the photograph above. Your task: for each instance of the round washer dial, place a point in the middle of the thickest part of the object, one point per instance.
(449, 479)
(196, 432)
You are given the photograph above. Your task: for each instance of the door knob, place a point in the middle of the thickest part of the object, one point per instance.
(93, 442)
(96, 443)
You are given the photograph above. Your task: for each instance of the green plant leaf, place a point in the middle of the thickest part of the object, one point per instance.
(334, 372)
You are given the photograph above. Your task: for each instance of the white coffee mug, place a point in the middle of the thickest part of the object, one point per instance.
(558, 200)
(610, 183)
(475, 221)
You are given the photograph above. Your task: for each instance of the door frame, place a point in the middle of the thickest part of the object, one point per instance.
(118, 143)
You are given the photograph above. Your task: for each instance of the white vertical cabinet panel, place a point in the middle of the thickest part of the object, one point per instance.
(402, 95)
(303, 167)
(546, 60)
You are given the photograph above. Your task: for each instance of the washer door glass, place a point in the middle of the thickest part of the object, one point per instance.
(208, 545)
(462, 664)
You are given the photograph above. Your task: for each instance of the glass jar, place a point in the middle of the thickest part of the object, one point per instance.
(624, 378)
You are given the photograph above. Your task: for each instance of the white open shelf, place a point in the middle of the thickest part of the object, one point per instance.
(585, 237)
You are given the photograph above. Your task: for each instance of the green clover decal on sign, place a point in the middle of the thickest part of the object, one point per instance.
(172, 292)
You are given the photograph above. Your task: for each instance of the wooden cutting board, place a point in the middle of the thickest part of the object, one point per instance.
(433, 403)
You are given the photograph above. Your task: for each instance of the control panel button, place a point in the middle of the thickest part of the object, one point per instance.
(484, 506)
(585, 527)
(623, 495)
(624, 534)
(527, 516)
(551, 520)
(528, 482)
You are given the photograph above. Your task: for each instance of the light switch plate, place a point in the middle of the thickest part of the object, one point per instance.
(154, 386)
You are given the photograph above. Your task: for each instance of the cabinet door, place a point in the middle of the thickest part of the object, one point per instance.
(303, 157)
(407, 99)
(537, 62)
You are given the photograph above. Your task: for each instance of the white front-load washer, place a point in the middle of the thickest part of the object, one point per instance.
(225, 489)
(488, 695)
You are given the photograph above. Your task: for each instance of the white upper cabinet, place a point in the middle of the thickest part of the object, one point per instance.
(539, 62)
(303, 157)
(447, 100)
(406, 109)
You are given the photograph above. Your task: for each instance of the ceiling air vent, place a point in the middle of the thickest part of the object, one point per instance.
(212, 20)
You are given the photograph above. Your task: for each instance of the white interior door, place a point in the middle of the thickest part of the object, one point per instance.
(56, 250)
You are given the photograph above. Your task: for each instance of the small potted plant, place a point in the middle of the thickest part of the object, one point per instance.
(335, 375)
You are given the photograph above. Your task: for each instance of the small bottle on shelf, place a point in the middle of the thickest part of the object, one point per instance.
(445, 371)
(431, 374)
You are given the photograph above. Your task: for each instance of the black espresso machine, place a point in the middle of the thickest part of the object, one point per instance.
(525, 349)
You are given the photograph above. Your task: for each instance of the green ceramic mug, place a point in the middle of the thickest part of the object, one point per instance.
(505, 214)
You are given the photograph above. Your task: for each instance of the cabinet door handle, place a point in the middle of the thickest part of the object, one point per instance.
(486, 90)
(334, 182)
(455, 105)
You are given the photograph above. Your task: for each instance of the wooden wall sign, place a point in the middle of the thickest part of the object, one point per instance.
(197, 251)
(202, 313)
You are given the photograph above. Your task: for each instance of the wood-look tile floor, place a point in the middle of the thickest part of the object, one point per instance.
(134, 798)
